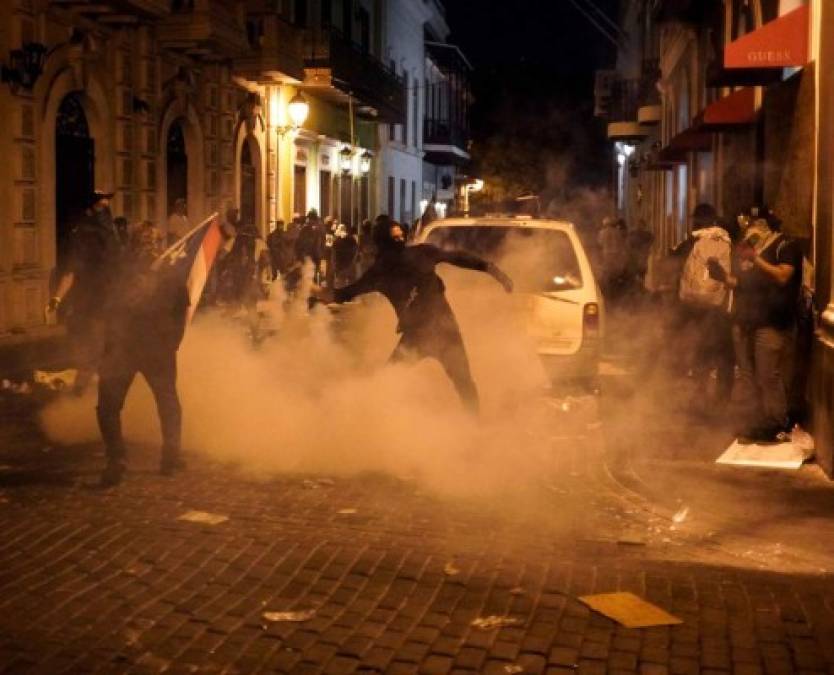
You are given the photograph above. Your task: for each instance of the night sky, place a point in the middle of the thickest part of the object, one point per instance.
(533, 60)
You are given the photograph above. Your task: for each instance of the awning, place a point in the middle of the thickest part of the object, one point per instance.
(737, 109)
(781, 43)
(690, 140)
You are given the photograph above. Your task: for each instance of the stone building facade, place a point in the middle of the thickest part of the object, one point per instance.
(157, 100)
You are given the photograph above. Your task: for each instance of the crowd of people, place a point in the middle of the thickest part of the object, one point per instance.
(739, 313)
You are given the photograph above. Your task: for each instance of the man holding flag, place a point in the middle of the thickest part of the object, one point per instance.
(148, 312)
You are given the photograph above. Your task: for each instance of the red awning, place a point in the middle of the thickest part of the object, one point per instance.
(737, 109)
(689, 140)
(782, 43)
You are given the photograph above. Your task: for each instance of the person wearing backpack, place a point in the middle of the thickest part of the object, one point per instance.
(705, 303)
(765, 281)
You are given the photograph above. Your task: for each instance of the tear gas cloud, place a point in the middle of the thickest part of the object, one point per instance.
(319, 397)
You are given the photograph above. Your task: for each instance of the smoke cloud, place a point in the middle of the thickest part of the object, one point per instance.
(320, 397)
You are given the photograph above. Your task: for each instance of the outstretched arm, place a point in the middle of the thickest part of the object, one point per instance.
(367, 283)
(473, 262)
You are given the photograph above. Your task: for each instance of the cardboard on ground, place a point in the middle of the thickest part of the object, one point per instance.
(781, 456)
(629, 610)
(203, 517)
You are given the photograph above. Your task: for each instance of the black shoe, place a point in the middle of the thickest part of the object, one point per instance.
(171, 465)
(771, 435)
(112, 475)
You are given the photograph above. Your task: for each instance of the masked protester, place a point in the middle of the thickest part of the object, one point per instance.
(407, 278)
(146, 321)
(95, 251)
(766, 279)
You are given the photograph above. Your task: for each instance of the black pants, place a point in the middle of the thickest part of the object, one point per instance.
(117, 372)
(445, 344)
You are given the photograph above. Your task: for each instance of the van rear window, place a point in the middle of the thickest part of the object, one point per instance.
(538, 259)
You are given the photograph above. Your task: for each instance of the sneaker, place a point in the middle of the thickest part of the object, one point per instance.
(112, 475)
(171, 465)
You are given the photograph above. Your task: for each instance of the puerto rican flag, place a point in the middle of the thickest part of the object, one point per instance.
(189, 260)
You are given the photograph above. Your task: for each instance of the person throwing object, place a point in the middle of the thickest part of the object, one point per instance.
(407, 278)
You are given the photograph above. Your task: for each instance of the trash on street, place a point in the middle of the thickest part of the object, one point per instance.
(450, 570)
(788, 455)
(203, 517)
(494, 621)
(296, 616)
(629, 610)
(681, 515)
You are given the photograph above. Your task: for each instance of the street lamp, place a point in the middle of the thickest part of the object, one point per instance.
(297, 111)
(26, 66)
(365, 163)
(346, 159)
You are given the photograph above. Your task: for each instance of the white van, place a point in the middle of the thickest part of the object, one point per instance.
(553, 281)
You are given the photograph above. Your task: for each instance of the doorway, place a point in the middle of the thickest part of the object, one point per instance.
(74, 171)
(300, 190)
(176, 165)
(247, 185)
(325, 188)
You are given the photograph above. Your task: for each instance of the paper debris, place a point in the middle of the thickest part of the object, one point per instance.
(296, 616)
(316, 483)
(494, 621)
(513, 668)
(346, 512)
(629, 610)
(788, 455)
(450, 570)
(57, 380)
(681, 515)
(203, 517)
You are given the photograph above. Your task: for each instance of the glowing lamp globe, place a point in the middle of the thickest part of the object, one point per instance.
(345, 157)
(298, 109)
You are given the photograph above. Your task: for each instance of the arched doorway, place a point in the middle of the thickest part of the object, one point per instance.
(74, 170)
(248, 185)
(176, 165)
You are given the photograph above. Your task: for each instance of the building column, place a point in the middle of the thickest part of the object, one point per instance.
(822, 371)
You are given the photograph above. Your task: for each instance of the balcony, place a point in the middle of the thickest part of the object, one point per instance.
(649, 111)
(445, 142)
(276, 54)
(336, 68)
(211, 29)
(117, 11)
(622, 111)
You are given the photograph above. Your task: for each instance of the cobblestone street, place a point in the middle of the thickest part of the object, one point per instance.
(113, 582)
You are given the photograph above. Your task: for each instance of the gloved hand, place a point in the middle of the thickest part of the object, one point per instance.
(716, 271)
(746, 251)
(500, 276)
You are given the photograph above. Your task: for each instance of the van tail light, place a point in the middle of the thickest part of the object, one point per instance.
(590, 320)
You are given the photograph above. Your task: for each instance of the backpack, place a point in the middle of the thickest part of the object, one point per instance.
(696, 286)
